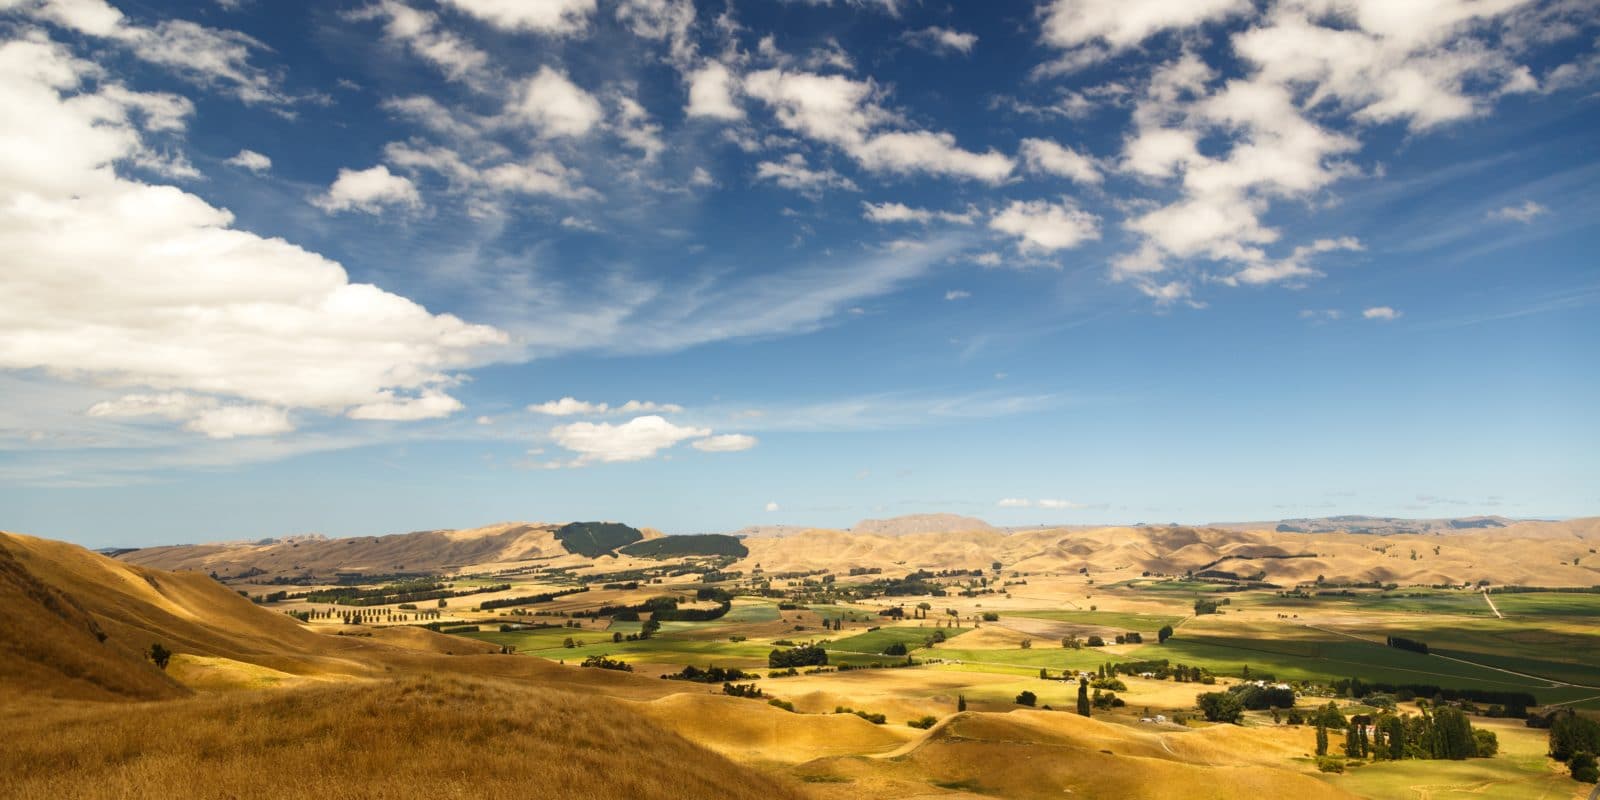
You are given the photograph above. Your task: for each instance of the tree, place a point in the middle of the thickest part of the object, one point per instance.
(1584, 768)
(1322, 740)
(1486, 742)
(1452, 734)
(1027, 698)
(160, 655)
(1164, 634)
(1221, 706)
(1083, 697)
(961, 702)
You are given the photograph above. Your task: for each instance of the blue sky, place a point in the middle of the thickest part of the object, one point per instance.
(364, 267)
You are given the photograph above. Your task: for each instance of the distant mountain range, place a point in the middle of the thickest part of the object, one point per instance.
(1356, 523)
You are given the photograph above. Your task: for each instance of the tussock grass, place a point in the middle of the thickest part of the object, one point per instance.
(419, 738)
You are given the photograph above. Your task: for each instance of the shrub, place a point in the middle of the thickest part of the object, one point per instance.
(895, 649)
(924, 723)
(783, 704)
(160, 655)
(1027, 698)
(991, 616)
(1485, 742)
(1330, 764)
(1584, 768)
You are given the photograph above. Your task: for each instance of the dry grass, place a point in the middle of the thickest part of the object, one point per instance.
(414, 738)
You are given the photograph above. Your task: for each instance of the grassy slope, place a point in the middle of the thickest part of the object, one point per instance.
(415, 738)
(876, 641)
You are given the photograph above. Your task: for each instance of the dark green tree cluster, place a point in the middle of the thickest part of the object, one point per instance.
(711, 674)
(1221, 706)
(1083, 697)
(602, 662)
(160, 655)
(1576, 740)
(806, 655)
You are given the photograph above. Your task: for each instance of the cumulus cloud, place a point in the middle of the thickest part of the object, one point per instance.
(942, 40)
(542, 16)
(772, 506)
(568, 407)
(712, 88)
(1049, 158)
(843, 112)
(371, 190)
(1524, 213)
(429, 405)
(957, 294)
(643, 406)
(1316, 75)
(900, 212)
(1045, 226)
(227, 422)
(724, 443)
(1126, 23)
(793, 172)
(571, 406)
(251, 160)
(144, 286)
(1384, 313)
(635, 440)
(554, 106)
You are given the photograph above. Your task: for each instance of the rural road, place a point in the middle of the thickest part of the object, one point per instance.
(1492, 607)
(1553, 682)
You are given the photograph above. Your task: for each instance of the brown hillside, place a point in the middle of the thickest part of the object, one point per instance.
(436, 552)
(414, 738)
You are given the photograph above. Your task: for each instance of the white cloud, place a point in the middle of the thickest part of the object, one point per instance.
(957, 294)
(568, 407)
(772, 506)
(1318, 74)
(555, 106)
(644, 406)
(208, 56)
(988, 260)
(167, 405)
(899, 212)
(1126, 23)
(794, 173)
(843, 112)
(1523, 213)
(579, 224)
(251, 160)
(724, 443)
(945, 40)
(427, 405)
(1384, 313)
(666, 20)
(538, 16)
(635, 440)
(1058, 504)
(227, 422)
(1050, 503)
(1042, 155)
(1321, 314)
(369, 190)
(421, 33)
(636, 129)
(140, 285)
(711, 93)
(1046, 226)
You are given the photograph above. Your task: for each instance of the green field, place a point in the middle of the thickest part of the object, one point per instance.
(1143, 623)
(1501, 778)
(876, 641)
(1054, 658)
